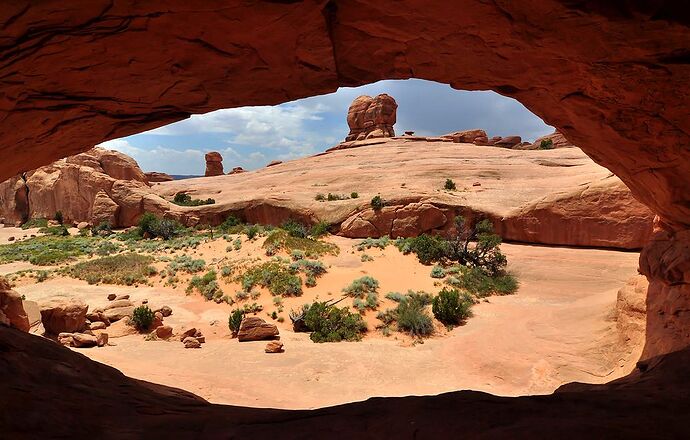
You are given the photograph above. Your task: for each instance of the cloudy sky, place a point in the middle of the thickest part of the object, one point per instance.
(251, 137)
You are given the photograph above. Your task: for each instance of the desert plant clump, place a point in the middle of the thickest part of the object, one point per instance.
(310, 247)
(295, 228)
(274, 275)
(428, 248)
(151, 226)
(377, 203)
(142, 317)
(477, 282)
(412, 316)
(449, 185)
(365, 257)
(128, 269)
(546, 144)
(59, 217)
(237, 244)
(184, 199)
(320, 197)
(206, 285)
(452, 307)
(35, 223)
(58, 231)
(235, 320)
(103, 229)
(354, 195)
(378, 243)
(320, 229)
(361, 286)
(438, 272)
(329, 323)
(186, 264)
(231, 225)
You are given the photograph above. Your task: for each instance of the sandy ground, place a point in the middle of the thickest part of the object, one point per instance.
(558, 328)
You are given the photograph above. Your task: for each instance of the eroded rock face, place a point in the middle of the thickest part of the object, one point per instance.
(62, 315)
(475, 136)
(557, 141)
(155, 177)
(12, 311)
(254, 328)
(214, 164)
(395, 221)
(371, 117)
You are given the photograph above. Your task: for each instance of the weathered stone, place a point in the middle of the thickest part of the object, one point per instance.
(254, 328)
(164, 332)
(83, 340)
(111, 297)
(165, 311)
(64, 315)
(154, 177)
(190, 342)
(12, 311)
(214, 164)
(371, 117)
(98, 325)
(102, 339)
(189, 333)
(274, 347)
(118, 313)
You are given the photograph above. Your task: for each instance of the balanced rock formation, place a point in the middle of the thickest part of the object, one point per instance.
(371, 117)
(214, 164)
(254, 328)
(155, 177)
(12, 311)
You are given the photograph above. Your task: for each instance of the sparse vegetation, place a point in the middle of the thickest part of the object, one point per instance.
(186, 264)
(151, 226)
(438, 272)
(365, 257)
(184, 199)
(546, 144)
(452, 307)
(312, 248)
(128, 269)
(102, 229)
(35, 223)
(378, 243)
(142, 317)
(411, 313)
(361, 286)
(354, 195)
(320, 229)
(477, 282)
(449, 185)
(206, 285)
(59, 217)
(320, 197)
(235, 320)
(273, 275)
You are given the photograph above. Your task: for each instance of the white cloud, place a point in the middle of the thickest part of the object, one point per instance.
(168, 160)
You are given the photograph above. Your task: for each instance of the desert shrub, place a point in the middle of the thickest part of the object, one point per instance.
(546, 144)
(320, 197)
(329, 323)
(252, 231)
(310, 281)
(226, 271)
(59, 217)
(365, 257)
(477, 282)
(185, 263)
(428, 248)
(377, 203)
(103, 229)
(142, 317)
(395, 296)
(271, 250)
(35, 223)
(127, 269)
(235, 320)
(314, 268)
(273, 275)
(152, 226)
(297, 255)
(41, 276)
(354, 195)
(372, 301)
(48, 250)
(361, 286)
(184, 199)
(57, 231)
(310, 247)
(438, 272)
(451, 307)
(387, 317)
(320, 229)
(412, 317)
(241, 295)
(206, 285)
(252, 308)
(449, 185)
(231, 225)
(379, 243)
(295, 228)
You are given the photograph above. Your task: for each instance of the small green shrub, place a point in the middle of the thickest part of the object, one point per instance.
(451, 307)
(231, 225)
(320, 229)
(546, 144)
(449, 185)
(273, 275)
(438, 272)
(368, 243)
(412, 317)
(354, 195)
(310, 247)
(186, 264)
(103, 229)
(59, 217)
(395, 296)
(428, 248)
(152, 226)
(361, 286)
(127, 269)
(481, 284)
(184, 199)
(252, 231)
(364, 258)
(35, 223)
(207, 285)
(320, 197)
(142, 317)
(377, 203)
(235, 320)
(328, 323)
(295, 228)
(57, 231)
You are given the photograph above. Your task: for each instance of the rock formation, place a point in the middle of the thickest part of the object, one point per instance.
(12, 311)
(557, 141)
(62, 315)
(475, 136)
(155, 176)
(214, 164)
(254, 328)
(371, 117)
(274, 162)
(237, 170)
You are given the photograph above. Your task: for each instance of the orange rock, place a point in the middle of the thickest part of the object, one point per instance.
(63, 315)
(254, 328)
(475, 136)
(274, 347)
(214, 164)
(371, 117)
(12, 311)
(155, 176)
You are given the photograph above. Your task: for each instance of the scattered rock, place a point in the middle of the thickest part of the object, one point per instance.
(163, 332)
(117, 313)
(122, 328)
(83, 340)
(165, 311)
(274, 347)
(82, 225)
(237, 170)
(112, 297)
(214, 164)
(476, 184)
(66, 339)
(98, 325)
(10, 238)
(63, 315)
(475, 136)
(190, 342)
(188, 333)
(157, 321)
(121, 297)
(98, 316)
(102, 339)
(254, 328)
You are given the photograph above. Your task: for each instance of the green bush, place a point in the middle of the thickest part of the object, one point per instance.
(273, 275)
(412, 317)
(58, 231)
(379, 243)
(320, 229)
(207, 285)
(377, 203)
(354, 195)
(328, 323)
(361, 286)
(231, 225)
(235, 320)
(184, 199)
(320, 197)
(451, 308)
(102, 229)
(449, 185)
(35, 223)
(186, 264)
(438, 272)
(59, 217)
(252, 231)
(295, 228)
(142, 317)
(332, 197)
(546, 144)
(152, 226)
(127, 269)
(310, 247)
(479, 283)
(428, 248)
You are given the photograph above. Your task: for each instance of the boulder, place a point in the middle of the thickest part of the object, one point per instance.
(157, 321)
(163, 332)
(64, 315)
(165, 311)
(508, 141)
(12, 311)
(82, 225)
(66, 339)
(190, 342)
(214, 164)
(98, 325)
(237, 170)
(274, 162)
(98, 316)
(370, 117)
(121, 297)
(254, 328)
(83, 340)
(274, 347)
(118, 313)
(155, 177)
(188, 333)
(395, 221)
(102, 339)
(475, 136)
(121, 328)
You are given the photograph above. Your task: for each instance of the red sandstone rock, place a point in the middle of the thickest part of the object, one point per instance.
(11, 308)
(164, 332)
(82, 340)
(395, 221)
(371, 117)
(254, 328)
(508, 141)
(237, 170)
(557, 141)
(214, 164)
(274, 162)
(155, 176)
(476, 136)
(62, 315)
(274, 347)
(190, 342)
(631, 312)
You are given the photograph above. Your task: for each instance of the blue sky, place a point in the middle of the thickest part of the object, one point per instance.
(251, 137)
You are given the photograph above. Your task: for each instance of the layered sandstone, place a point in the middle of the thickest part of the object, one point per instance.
(557, 140)
(155, 176)
(370, 117)
(214, 164)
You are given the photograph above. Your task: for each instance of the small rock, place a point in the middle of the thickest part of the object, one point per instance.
(66, 339)
(118, 302)
(188, 333)
(157, 321)
(476, 184)
(274, 347)
(119, 297)
(164, 332)
(111, 297)
(82, 225)
(165, 311)
(102, 339)
(144, 301)
(83, 340)
(201, 339)
(190, 342)
(98, 325)
(10, 238)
